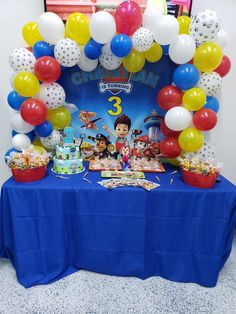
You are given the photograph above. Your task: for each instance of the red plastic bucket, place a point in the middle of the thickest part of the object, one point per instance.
(29, 175)
(198, 180)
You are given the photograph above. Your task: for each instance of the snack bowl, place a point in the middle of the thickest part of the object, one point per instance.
(198, 180)
(29, 175)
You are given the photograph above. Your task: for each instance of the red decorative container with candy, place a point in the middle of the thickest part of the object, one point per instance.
(198, 173)
(29, 175)
(28, 166)
(198, 180)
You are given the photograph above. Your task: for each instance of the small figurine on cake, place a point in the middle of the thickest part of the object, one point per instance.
(67, 159)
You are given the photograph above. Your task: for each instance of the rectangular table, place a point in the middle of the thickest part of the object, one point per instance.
(53, 227)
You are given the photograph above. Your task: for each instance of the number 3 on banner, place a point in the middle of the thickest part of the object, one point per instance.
(116, 105)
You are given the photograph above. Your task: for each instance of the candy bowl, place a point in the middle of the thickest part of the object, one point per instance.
(28, 166)
(199, 173)
(29, 175)
(198, 180)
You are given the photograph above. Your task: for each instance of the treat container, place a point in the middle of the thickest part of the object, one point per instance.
(29, 175)
(198, 180)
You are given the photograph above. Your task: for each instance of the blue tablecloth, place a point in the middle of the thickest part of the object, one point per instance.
(53, 227)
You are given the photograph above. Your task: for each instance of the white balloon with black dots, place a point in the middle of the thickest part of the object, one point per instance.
(205, 153)
(22, 60)
(205, 26)
(67, 52)
(108, 60)
(142, 39)
(52, 140)
(53, 95)
(210, 83)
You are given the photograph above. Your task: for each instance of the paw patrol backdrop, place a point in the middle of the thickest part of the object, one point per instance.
(117, 105)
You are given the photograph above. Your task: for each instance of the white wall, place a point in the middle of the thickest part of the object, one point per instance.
(13, 15)
(223, 137)
(22, 11)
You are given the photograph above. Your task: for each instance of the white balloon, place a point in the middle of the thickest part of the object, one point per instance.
(178, 118)
(87, 64)
(51, 27)
(108, 60)
(19, 125)
(183, 49)
(21, 59)
(53, 95)
(167, 30)
(222, 38)
(102, 27)
(150, 17)
(210, 83)
(21, 141)
(52, 140)
(67, 52)
(204, 26)
(142, 39)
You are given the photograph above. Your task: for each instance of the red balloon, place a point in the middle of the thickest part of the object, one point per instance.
(33, 111)
(169, 97)
(225, 66)
(128, 17)
(47, 69)
(170, 148)
(204, 119)
(168, 132)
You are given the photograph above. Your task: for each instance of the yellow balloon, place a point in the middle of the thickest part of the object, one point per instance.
(191, 140)
(59, 117)
(154, 53)
(39, 149)
(208, 57)
(31, 34)
(194, 99)
(134, 62)
(184, 24)
(37, 142)
(77, 28)
(26, 84)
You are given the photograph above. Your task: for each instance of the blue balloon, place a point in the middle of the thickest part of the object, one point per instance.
(186, 76)
(9, 152)
(15, 100)
(41, 49)
(30, 134)
(92, 49)
(44, 129)
(212, 103)
(121, 45)
(165, 49)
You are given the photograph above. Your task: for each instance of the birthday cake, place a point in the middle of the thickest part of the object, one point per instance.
(67, 159)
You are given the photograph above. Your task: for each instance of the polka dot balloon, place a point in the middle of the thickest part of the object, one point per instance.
(205, 26)
(206, 153)
(142, 39)
(52, 140)
(21, 59)
(53, 95)
(210, 83)
(107, 59)
(67, 52)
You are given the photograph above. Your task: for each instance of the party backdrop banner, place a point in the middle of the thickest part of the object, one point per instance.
(96, 99)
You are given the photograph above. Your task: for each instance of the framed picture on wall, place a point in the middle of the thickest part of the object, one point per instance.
(65, 7)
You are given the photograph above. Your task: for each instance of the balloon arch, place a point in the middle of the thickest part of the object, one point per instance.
(129, 38)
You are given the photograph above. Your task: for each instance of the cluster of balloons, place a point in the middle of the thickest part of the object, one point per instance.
(128, 37)
(192, 105)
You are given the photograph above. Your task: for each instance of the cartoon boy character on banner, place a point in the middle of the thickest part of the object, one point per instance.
(121, 129)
